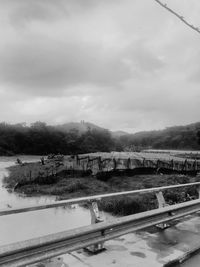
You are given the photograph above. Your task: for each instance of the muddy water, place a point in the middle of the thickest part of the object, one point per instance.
(23, 226)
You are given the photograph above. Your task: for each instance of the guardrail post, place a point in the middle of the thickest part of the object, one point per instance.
(198, 190)
(95, 218)
(195, 165)
(160, 199)
(161, 204)
(172, 164)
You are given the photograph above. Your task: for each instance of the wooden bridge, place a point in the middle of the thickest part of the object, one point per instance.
(93, 236)
(106, 162)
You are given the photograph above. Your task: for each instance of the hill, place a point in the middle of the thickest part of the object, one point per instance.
(42, 139)
(118, 134)
(80, 127)
(177, 137)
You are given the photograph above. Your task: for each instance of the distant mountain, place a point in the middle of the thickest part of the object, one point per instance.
(118, 133)
(175, 137)
(81, 127)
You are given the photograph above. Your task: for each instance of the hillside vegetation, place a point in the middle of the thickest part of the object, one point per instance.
(177, 137)
(41, 139)
(74, 138)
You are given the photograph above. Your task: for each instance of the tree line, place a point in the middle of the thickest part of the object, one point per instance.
(42, 139)
(176, 137)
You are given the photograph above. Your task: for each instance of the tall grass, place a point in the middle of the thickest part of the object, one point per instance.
(30, 173)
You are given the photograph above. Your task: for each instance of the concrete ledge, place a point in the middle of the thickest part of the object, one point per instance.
(187, 255)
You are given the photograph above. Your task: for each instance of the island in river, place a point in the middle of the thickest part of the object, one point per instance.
(50, 178)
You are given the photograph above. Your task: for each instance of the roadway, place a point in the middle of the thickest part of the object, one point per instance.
(150, 247)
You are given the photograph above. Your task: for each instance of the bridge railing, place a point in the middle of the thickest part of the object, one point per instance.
(95, 198)
(38, 249)
(93, 236)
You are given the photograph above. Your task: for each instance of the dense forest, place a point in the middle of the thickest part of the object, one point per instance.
(42, 139)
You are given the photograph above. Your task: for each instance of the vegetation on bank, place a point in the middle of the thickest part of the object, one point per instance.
(42, 139)
(34, 179)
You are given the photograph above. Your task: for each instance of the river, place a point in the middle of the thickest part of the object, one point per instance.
(32, 224)
(28, 225)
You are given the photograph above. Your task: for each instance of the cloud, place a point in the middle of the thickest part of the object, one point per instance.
(23, 12)
(44, 66)
(121, 64)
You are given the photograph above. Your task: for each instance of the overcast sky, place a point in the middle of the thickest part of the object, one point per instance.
(122, 64)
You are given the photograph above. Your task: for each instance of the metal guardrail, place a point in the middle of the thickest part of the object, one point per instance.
(4, 212)
(37, 249)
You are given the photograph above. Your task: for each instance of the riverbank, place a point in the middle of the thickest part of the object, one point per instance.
(36, 179)
(16, 228)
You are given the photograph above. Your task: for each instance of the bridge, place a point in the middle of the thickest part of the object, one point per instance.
(127, 161)
(93, 236)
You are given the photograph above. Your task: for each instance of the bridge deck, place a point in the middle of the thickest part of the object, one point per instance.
(37, 249)
(149, 247)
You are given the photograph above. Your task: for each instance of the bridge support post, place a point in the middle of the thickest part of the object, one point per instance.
(95, 218)
(161, 204)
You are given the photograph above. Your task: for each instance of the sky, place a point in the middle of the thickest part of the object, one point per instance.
(122, 64)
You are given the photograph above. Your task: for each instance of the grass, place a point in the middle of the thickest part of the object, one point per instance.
(32, 173)
(134, 204)
(34, 179)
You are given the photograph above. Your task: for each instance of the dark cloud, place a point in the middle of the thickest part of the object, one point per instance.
(46, 66)
(34, 12)
(23, 12)
(52, 66)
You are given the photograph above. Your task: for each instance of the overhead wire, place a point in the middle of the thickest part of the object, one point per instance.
(164, 5)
